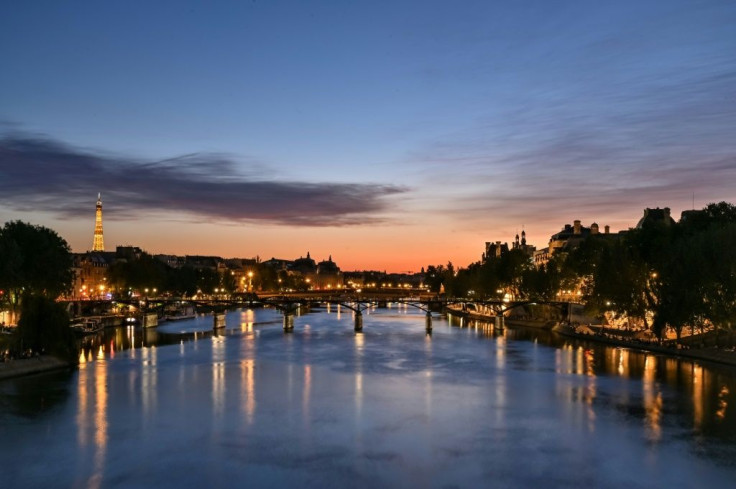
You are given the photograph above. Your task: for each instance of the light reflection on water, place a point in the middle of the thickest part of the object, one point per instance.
(388, 406)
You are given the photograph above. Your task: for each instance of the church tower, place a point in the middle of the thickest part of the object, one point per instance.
(98, 244)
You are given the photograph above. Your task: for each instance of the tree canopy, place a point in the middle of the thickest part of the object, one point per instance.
(33, 260)
(659, 275)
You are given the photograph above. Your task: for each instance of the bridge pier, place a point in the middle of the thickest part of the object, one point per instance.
(218, 320)
(288, 322)
(499, 322)
(358, 321)
(428, 322)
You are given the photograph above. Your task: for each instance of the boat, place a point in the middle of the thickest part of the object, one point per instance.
(473, 311)
(457, 309)
(86, 326)
(183, 312)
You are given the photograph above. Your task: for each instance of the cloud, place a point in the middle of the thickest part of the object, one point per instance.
(39, 174)
(607, 152)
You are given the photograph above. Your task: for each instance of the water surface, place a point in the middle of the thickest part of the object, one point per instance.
(467, 406)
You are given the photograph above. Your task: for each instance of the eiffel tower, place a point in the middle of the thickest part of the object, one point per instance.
(98, 244)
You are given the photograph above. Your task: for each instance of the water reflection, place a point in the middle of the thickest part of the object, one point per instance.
(149, 380)
(247, 321)
(92, 423)
(359, 353)
(306, 393)
(703, 392)
(708, 393)
(362, 407)
(428, 388)
(218, 375)
(248, 389)
(652, 395)
(722, 402)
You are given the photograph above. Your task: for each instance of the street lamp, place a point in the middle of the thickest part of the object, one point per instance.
(250, 281)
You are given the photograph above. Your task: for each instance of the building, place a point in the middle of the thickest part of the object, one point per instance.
(304, 266)
(498, 249)
(569, 237)
(90, 274)
(278, 264)
(328, 275)
(656, 216)
(518, 244)
(495, 250)
(173, 261)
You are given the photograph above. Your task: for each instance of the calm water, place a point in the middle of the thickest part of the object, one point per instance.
(325, 407)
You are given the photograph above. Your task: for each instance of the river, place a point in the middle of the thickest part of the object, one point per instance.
(323, 406)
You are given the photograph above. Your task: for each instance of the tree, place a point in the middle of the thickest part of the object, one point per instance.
(620, 281)
(510, 268)
(34, 260)
(718, 249)
(436, 275)
(44, 327)
(541, 284)
(143, 272)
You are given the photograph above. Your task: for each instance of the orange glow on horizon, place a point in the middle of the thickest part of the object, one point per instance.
(406, 245)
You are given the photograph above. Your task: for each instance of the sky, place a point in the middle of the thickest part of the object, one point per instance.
(390, 135)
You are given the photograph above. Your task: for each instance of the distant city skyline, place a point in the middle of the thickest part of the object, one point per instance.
(391, 135)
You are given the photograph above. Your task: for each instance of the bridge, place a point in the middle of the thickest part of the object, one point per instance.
(291, 304)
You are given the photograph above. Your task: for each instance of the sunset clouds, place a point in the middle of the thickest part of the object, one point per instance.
(44, 175)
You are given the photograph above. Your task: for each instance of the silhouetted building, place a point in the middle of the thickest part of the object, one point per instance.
(278, 264)
(128, 252)
(173, 261)
(203, 262)
(305, 266)
(520, 244)
(656, 216)
(328, 275)
(495, 250)
(569, 237)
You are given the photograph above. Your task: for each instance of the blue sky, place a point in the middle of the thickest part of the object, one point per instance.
(459, 122)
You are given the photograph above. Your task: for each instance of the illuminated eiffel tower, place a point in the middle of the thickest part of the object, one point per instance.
(99, 243)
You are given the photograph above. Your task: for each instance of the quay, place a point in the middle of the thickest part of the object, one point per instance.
(723, 356)
(20, 367)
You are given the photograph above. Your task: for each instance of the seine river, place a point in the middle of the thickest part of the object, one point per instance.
(323, 406)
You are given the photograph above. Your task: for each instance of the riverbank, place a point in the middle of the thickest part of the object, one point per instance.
(30, 366)
(721, 356)
(531, 323)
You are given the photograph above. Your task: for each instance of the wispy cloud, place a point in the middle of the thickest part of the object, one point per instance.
(40, 174)
(600, 149)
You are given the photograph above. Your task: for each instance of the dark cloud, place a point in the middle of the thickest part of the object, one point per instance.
(39, 174)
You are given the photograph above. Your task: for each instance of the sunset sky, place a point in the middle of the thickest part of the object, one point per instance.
(391, 135)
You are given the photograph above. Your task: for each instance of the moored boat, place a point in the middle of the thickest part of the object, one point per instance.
(183, 312)
(86, 326)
